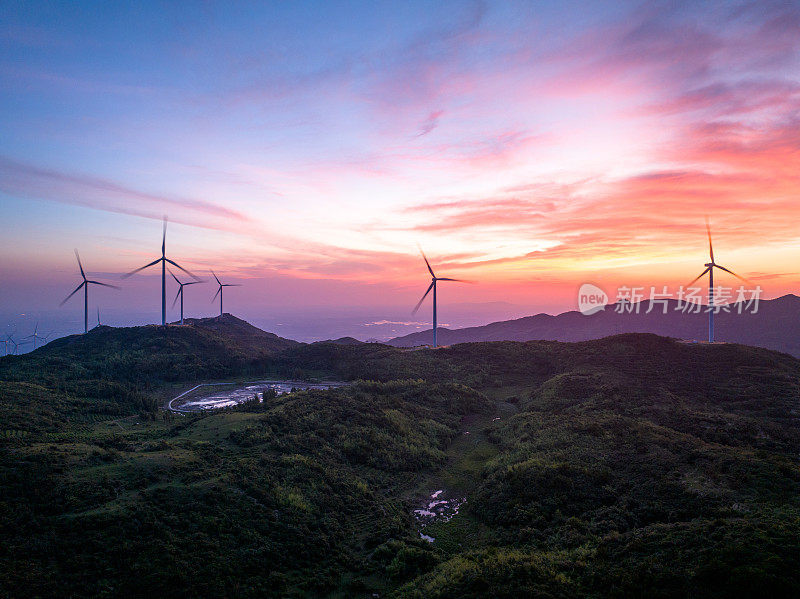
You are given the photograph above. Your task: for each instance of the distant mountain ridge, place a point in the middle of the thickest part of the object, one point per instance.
(776, 325)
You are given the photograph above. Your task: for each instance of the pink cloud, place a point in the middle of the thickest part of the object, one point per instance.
(430, 123)
(29, 181)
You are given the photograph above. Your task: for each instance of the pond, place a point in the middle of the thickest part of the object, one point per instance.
(437, 508)
(214, 396)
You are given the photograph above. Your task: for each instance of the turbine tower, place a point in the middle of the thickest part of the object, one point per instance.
(180, 291)
(85, 285)
(710, 266)
(434, 280)
(219, 291)
(163, 260)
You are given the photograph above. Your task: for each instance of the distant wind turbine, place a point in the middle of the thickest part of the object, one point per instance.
(163, 260)
(15, 344)
(219, 291)
(710, 266)
(98, 318)
(36, 336)
(434, 280)
(85, 285)
(180, 291)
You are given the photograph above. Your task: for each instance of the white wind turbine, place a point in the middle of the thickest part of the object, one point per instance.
(434, 280)
(85, 285)
(710, 266)
(219, 291)
(180, 291)
(163, 260)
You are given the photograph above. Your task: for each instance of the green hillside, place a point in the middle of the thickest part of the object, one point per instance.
(628, 466)
(119, 370)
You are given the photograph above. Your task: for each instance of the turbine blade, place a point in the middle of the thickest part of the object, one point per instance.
(698, 276)
(419, 303)
(177, 295)
(456, 280)
(192, 283)
(83, 274)
(164, 237)
(710, 247)
(231, 284)
(176, 265)
(734, 274)
(103, 284)
(77, 289)
(133, 272)
(428, 264)
(215, 276)
(174, 277)
(219, 290)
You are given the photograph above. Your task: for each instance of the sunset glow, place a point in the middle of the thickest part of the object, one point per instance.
(305, 149)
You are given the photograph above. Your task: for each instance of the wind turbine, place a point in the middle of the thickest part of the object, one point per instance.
(98, 318)
(163, 260)
(434, 280)
(85, 284)
(15, 344)
(219, 291)
(36, 336)
(180, 292)
(710, 266)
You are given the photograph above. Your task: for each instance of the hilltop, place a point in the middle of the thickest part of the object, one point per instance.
(243, 334)
(206, 347)
(119, 371)
(776, 326)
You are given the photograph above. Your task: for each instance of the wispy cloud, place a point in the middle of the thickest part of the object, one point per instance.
(430, 123)
(33, 182)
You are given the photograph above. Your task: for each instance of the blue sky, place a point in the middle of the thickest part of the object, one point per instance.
(309, 147)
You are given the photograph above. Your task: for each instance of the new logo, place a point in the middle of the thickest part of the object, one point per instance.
(591, 299)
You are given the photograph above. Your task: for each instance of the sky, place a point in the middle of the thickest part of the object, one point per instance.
(305, 150)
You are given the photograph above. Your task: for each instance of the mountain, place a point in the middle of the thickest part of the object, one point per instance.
(343, 341)
(587, 469)
(200, 349)
(242, 334)
(776, 325)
